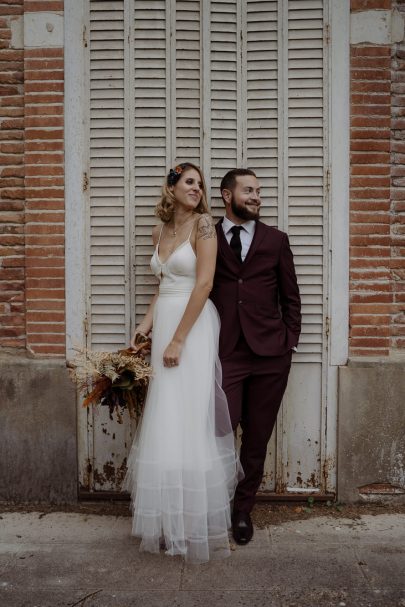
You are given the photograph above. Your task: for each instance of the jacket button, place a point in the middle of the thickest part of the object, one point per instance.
(240, 281)
(240, 301)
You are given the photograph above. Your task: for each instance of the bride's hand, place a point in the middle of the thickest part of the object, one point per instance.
(171, 356)
(140, 343)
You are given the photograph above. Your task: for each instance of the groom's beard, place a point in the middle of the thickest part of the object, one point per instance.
(243, 212)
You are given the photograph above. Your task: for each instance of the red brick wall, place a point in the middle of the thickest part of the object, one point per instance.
(377, 188)
(12, 267)
(370, 241)
(32, 275)
(32, 196)
(398, 192)
(44, 181)
(368, 5)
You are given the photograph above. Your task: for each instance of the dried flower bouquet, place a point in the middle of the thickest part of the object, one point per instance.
(118, 380)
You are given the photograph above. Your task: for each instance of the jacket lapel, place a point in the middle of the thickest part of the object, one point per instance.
(258, 236)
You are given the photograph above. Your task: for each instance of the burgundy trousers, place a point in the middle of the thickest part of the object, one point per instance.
(254, 386)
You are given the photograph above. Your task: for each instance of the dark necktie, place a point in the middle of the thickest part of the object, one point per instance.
(235, 243)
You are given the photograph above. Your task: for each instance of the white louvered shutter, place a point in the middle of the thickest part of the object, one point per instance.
(107, 272)
(236, 112)
(302, 453)
(306, 161)
(109, 243)
(223, 84)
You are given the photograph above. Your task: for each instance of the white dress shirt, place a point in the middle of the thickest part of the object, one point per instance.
(246, 234)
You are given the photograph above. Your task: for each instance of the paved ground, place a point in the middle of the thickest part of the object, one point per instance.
(64, 559)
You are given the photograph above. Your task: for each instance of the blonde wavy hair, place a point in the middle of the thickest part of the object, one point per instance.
(165, 207)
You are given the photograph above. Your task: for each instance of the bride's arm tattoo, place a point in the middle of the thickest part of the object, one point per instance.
(206, 228)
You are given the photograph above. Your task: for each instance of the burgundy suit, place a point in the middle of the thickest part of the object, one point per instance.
(259, 305)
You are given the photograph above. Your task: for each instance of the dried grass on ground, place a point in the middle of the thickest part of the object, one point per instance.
(264, 514)
(274, 514)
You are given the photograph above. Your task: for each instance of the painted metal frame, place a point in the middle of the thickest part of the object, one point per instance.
(76, 161)
(339, 221)
(205, 100)
(326, 407)
(77, 201)
(129, 144)
(282, 200)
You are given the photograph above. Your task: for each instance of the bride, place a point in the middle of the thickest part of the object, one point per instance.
(182, 467)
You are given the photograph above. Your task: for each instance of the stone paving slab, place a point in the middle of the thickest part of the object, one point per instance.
(263, 569)
(63, 527)
(230, 598)
(368, 528)
(81, 560)
(383, 565)
(72, 565)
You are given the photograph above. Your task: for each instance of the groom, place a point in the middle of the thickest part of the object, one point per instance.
(256, 293)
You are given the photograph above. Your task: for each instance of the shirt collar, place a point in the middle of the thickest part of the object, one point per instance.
(249, 226)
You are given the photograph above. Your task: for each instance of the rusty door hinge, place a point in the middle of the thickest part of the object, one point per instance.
(327, 326)
(86, 330)
(85, 182)
(327, 33)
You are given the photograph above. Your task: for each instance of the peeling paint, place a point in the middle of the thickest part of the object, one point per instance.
(281, 486)
(328, 466)
(111, 474)
(86, 482)
(312, 481)
(397, 464)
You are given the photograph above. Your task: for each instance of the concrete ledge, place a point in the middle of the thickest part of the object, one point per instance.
(371, 438)
(37, 431)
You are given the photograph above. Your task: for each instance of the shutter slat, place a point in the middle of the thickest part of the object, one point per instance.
(150, 103)
(261, 101)
(223, 66)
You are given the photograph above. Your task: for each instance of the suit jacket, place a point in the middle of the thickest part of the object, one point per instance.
(259, 297)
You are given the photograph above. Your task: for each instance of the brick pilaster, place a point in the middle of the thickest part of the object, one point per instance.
(370, 243)
(12, 267)
(398, 192)
(44, 190)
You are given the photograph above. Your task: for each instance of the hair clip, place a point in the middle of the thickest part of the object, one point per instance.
(174, 175)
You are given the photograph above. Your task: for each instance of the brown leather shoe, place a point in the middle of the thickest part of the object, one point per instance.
(242, 528)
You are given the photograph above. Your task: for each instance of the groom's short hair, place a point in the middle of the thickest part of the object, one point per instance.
(229, 180)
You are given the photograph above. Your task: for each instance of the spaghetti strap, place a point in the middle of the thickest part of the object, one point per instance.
(191, 231)
(160, 235)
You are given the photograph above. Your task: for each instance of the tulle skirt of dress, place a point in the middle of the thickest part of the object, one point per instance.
(182, 467)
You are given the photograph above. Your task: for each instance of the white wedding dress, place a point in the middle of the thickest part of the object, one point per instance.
(182, 467)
